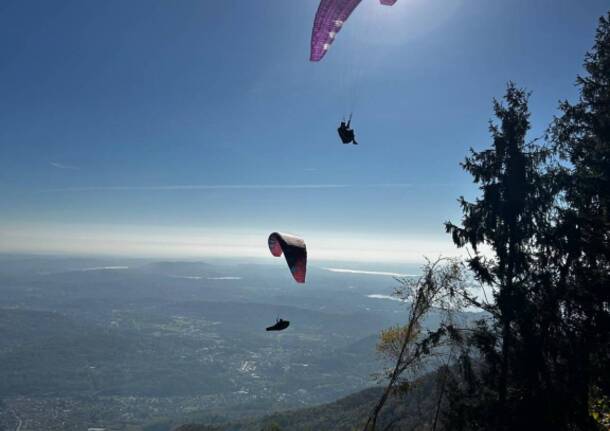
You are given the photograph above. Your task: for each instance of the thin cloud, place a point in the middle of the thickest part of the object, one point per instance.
(357, 271)
(226, 187)
(104, 268)
(225, 278)
(199, 277)
(62, 166)
(187, 277)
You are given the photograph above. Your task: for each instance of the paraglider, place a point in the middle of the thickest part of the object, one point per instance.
(346, 133)
(280, 325)
(294, 251)
(329, 20)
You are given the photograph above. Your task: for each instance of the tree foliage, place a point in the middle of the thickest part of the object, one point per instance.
(581, 246)
(538, 241)
(408, 346)
(540, 360)
(507, 218)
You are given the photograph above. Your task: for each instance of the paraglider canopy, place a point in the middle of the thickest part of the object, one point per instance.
(294, 250)
(329, 20)
(280, 325)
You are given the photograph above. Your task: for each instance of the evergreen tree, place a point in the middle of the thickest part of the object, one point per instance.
(581, 136)
(544, 352)
(507, 218)
(540, 239)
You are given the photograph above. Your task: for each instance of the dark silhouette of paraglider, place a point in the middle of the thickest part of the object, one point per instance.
(346, 133)
(280, 325)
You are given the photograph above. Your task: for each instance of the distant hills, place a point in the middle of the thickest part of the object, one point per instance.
(170, 342)
(412, 412)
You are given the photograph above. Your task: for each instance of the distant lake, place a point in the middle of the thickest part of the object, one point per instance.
(390, 297)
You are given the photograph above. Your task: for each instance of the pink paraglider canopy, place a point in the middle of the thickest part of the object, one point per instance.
(294, 251)
(330, 17)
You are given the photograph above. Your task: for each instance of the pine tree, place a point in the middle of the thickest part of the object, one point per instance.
(507, 218)
(581, 136)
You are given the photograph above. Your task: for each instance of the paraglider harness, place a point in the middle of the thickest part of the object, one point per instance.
(346, 133)
(280, 325)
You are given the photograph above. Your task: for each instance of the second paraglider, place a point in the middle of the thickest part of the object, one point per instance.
(294, 251)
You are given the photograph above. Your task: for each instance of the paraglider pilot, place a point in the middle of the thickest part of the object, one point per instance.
(280, 325)
(346, 133)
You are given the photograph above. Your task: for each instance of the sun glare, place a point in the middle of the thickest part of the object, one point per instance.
(403, 22)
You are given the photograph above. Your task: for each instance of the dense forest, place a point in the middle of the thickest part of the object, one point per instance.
(538, 244)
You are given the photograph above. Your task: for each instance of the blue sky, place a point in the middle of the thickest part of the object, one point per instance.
(194, 128)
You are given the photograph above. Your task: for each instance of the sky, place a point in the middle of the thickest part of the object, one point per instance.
(195, 128)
